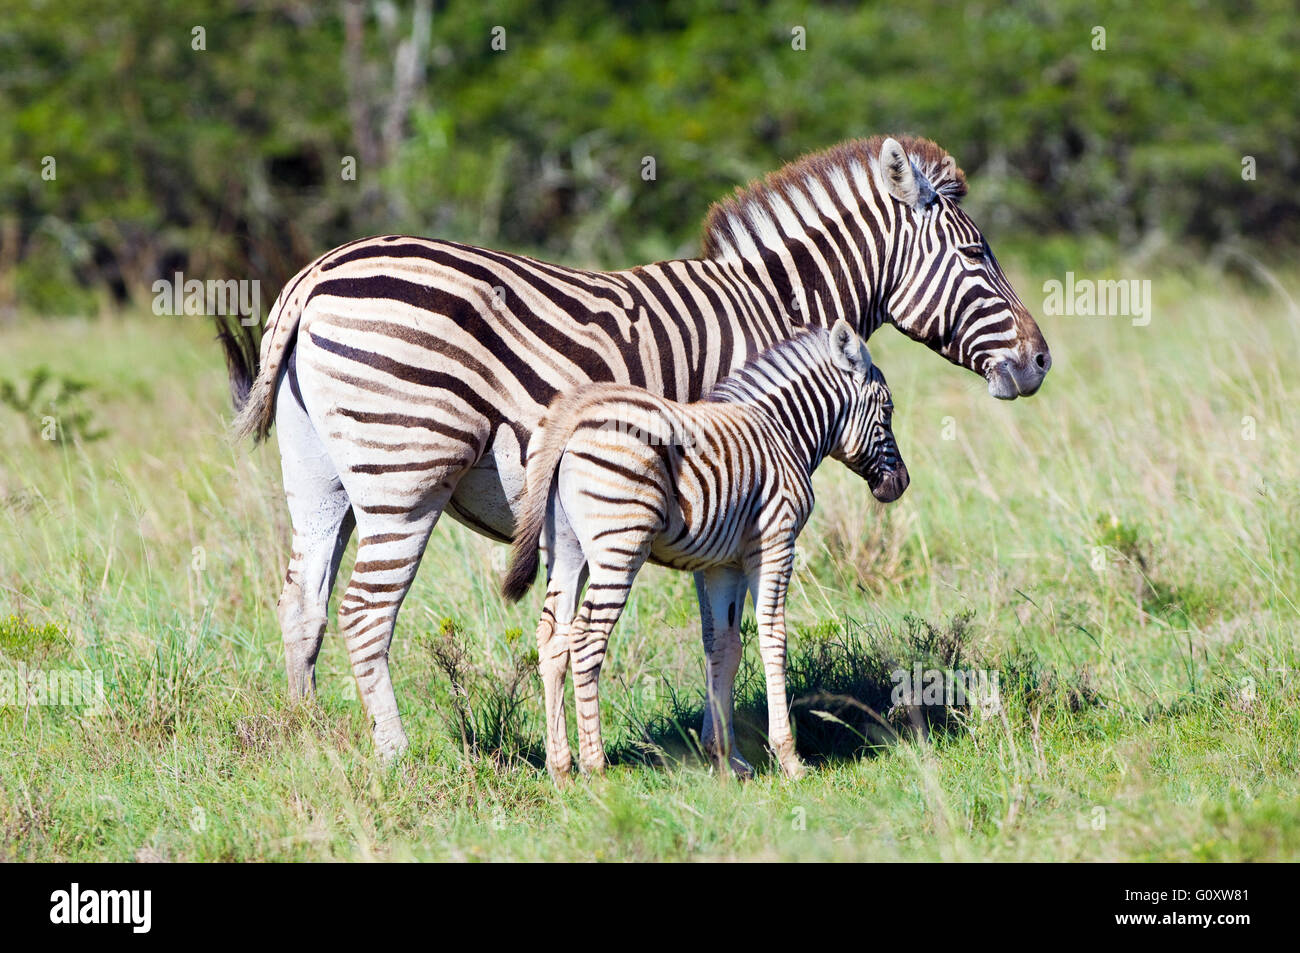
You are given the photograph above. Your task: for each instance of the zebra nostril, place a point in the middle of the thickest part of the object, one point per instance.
(1041, 360)
(892, 485)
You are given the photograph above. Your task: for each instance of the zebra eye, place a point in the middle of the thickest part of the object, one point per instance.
(973, 252)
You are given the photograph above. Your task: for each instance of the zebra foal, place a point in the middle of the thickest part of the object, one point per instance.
(617, 476)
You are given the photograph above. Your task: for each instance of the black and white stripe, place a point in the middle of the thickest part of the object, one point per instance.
(617, 476)
(407, 374)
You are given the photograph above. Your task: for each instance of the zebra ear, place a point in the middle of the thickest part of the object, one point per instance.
(901, 179)
(848, 350)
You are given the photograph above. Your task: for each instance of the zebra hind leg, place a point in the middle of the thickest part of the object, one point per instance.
(389, 549)
(553, 665)
(304, 602)
(605, 599)
(566, 571)
(321, 514)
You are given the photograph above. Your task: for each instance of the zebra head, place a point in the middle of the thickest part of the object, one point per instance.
(948, 290)
(866, 444)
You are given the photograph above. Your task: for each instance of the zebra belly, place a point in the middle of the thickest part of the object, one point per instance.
(488, 496)
(692, 548)
(692, 562)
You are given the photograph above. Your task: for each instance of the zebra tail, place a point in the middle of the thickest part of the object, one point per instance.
(239, 342)
(254, 371)
(524, 559)
(539, 477)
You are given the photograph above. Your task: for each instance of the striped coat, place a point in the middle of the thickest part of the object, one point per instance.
(618, 476)
(407, 375)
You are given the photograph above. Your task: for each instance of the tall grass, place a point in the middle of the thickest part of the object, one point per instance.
(1124, 550)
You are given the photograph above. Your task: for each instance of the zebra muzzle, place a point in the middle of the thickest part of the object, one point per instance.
(1011, 379)
(891, 484)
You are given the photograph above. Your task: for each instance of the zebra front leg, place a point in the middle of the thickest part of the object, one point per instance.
(722, 600)
(773, 579)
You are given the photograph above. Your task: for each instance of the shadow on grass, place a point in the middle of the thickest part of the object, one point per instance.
(856, 688)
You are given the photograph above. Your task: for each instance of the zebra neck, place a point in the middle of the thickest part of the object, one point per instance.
(796, 292)
(803, 403)
(813, 270)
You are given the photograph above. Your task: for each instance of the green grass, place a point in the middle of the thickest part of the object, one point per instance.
(1116, 549)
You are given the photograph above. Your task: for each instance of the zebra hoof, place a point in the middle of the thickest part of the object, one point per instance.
(723, 761)
(794, 768)
(742, 769)
(391, 746)
(561, 773)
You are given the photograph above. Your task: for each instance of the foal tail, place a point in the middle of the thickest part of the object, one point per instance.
(554, 431)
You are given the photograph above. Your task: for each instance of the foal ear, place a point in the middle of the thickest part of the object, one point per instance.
(848, 350)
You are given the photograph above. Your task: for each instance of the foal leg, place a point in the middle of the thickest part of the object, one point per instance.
(609, 520)
(722, 599)
(606, 596)
(769, 580)
(566, 571)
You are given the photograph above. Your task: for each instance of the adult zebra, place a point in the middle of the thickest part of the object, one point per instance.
(407, 374)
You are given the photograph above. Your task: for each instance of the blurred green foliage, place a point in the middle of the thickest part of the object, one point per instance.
(20, 638)
(228, 161)
(58, 414)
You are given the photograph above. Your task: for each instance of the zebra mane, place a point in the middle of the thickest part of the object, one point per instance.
(815, 176)
(804, 348)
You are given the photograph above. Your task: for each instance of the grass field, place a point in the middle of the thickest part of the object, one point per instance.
(1123, 550)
